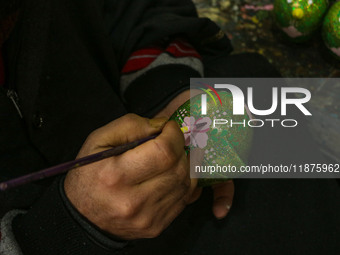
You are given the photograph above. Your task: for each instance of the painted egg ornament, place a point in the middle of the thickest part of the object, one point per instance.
(331, 29)
(224, 145)
(299, 19)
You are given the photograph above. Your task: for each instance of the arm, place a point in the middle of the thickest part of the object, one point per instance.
(32, 228)
(166, 45)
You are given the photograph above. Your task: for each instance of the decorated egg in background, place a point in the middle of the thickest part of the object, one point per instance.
(298, 19)
(331, 29)
(222, 145)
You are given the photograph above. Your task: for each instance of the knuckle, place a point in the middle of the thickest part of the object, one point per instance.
(187, 183)
(106, 178)
(183, 191)
(131, 117)
(144, 223)
(132, 121)
(154, 232)
(183, 172)
(127, 209)
(185, 201)
(92, 137)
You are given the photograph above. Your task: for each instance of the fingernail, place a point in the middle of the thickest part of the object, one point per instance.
(158, 122)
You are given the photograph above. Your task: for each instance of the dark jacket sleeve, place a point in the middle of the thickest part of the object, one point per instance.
(51, 225)
(44, 212)
(60, 228)
(155, 23)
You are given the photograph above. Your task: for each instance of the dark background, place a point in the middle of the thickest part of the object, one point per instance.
(255, 31)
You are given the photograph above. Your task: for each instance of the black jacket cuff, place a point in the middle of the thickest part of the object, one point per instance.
(53, 226)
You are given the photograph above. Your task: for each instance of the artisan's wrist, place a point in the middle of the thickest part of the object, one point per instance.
(104, 237)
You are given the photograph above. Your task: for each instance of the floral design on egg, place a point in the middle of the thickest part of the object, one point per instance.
(198, 135)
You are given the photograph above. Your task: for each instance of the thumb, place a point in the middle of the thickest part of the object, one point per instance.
(223, 198)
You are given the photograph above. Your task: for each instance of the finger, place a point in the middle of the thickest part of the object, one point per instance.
(126, 129)
(155, 156)
(172, 133)
(169, 186)
(195, 195)
(223, 198)
(162, 219)
(195, 157)
(166, 208)
(169, 211)
(173, 187)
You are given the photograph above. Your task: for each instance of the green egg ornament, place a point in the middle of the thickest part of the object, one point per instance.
(222, 145)
(299, 19)
(331, 29)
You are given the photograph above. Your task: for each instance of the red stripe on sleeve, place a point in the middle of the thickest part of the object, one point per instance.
(142, 58)
(139, 63)
(178, 48)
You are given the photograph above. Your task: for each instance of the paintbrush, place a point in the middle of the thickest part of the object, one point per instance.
(62, 168)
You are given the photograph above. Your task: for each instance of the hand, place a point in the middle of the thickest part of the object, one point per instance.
(223, 192)
(139, 193)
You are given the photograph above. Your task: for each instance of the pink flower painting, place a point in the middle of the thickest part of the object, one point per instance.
(198, 136)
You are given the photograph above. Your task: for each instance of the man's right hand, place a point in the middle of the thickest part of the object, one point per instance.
(139, 193)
